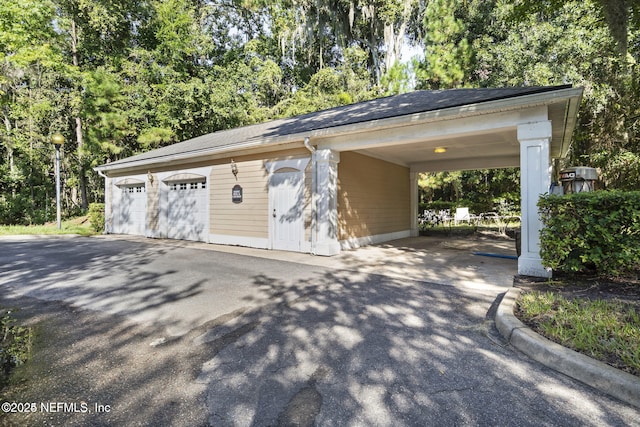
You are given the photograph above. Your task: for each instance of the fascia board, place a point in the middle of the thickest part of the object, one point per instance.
(570, 121)
(206, 153)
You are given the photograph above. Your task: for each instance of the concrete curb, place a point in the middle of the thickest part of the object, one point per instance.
(598, 375)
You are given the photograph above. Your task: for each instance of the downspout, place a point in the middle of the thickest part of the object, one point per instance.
(314, 195)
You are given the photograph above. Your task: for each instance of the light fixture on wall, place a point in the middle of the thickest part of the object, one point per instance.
(150, 177)
(234, 169)
(440, 150)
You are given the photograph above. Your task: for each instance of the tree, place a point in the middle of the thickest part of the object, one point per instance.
(571, 42)
(33, 105)
(316, 34)
(482, 190)
(621, 16)
(329, 87)
(447, 50)
(118, 77)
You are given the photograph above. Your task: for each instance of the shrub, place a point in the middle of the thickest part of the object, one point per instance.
(437, 205)
(96, 216)
(15, 345)
(591, 231)
(18, 209)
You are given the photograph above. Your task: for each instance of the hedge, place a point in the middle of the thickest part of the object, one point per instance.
(597, 231)
(96, 216)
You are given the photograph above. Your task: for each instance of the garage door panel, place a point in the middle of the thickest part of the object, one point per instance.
(131, 210)
(187, 211)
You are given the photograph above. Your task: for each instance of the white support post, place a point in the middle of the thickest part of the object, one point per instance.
(535, 179)
(413, 191)
(327, 202)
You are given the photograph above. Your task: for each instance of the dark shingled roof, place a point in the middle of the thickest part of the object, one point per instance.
(381, 108)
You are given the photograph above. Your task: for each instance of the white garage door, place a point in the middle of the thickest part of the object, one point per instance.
(130, 211)
(187, 211)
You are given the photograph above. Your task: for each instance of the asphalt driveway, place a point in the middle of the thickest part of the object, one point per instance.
(293, 343)
(169, 284)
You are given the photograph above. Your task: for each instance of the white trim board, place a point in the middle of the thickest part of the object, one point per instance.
(299, 164)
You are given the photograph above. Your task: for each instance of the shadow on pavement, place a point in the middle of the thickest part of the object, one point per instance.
(109, 276)
(360, 349)
(98, 369)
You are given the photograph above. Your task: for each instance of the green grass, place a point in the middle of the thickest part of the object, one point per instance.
(605, 330)
(79, 225)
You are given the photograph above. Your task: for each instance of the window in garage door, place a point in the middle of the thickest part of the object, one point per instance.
(131, 208)
(187, 209)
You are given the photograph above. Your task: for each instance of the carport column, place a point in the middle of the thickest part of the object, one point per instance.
(413, 191)
(535, 179)
(326, 198)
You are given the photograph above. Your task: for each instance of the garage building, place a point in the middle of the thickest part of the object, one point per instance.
(343, 177)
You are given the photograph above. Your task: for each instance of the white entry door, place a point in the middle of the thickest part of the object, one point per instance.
(286, 203)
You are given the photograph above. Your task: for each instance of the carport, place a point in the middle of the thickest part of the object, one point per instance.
(517, 128)
(306, 177)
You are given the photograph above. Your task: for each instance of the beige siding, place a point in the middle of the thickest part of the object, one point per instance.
(248, 218)
(251, 217)
(373, 196)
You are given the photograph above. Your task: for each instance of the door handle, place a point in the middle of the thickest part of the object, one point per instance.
(274, 213)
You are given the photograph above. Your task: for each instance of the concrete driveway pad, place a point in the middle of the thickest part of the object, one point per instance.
(368, 338)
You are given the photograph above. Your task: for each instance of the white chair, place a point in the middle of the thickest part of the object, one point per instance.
(462, 214)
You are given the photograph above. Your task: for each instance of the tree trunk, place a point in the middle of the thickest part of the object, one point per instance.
(84, 203)
(616, 13)
(7, 125)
